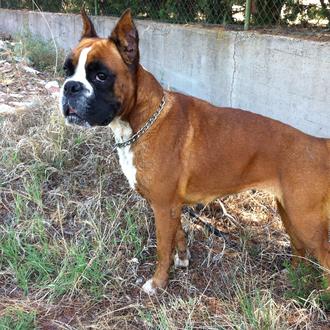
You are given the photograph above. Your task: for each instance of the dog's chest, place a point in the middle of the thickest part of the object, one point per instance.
(123, 132)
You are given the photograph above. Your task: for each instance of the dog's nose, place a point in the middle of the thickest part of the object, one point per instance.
(72, 87)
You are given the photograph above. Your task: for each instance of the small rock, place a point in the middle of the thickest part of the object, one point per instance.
(30, 70)
(6, 66)
(15, 95)
(3, 71)
(40, 81)
(5, 108)
(19, 59)
(25, 105)
(53, 88)
(52, 83)
(18, 104)
(3, 45)
(8, 82)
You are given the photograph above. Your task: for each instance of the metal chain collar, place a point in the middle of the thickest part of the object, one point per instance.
(143, 129)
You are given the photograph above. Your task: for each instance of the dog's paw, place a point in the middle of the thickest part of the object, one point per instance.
(148, 288)
(182, 262)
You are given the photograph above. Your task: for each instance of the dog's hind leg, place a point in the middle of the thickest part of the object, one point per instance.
(182, 255)
(322, 249)
(308, 228)
(322, 253)
(297, 246)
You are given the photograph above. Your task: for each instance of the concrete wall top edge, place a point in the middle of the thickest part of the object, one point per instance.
(197, 28)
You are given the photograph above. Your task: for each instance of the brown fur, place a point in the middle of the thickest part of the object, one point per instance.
(196, 152)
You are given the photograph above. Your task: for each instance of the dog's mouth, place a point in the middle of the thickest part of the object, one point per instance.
(73, 118)
(71, 111)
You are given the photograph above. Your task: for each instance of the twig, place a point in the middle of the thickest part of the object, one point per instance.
(52, 35)
(230, 217)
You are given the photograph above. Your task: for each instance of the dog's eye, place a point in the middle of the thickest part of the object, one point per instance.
(67, 71)
(101, 76)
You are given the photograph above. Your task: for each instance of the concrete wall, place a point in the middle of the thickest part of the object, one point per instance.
(280, 77)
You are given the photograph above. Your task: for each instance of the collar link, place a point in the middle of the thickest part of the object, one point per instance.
(145, 127)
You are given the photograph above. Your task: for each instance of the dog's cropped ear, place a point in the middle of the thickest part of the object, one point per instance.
(88, 27)
(126, 38)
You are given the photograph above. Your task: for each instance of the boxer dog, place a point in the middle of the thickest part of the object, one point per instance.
(176, 149)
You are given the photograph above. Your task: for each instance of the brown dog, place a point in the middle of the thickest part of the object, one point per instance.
(185, 151)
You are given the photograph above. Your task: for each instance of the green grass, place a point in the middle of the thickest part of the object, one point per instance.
(41, 265)
(79, 271)
(258, 310)
(130, 235)
(15, 319)
(307, 285)
(39, 262)
(29, 262)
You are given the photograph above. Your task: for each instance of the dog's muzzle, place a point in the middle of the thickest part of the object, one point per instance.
(74, 103)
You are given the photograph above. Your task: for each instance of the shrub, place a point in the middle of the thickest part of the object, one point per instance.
(43, 55)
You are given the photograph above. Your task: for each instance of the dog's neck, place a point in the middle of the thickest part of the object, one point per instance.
(148, 99)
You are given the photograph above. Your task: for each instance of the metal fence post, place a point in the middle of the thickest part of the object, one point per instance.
(247, 15)
(95, 7)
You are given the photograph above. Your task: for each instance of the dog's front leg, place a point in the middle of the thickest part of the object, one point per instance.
(167, 224)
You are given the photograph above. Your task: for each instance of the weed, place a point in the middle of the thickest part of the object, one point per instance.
(304, 279)
(307, 285)
(166, 316)
(79, 139)
(10, 159)
(324, 300)
(259, 310)
(20, 206)
(131, 236)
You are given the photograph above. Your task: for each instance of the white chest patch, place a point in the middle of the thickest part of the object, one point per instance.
(123, 132)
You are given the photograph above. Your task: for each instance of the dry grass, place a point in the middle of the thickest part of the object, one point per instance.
(76, 243)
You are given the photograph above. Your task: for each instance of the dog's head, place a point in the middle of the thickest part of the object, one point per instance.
(101, 74)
